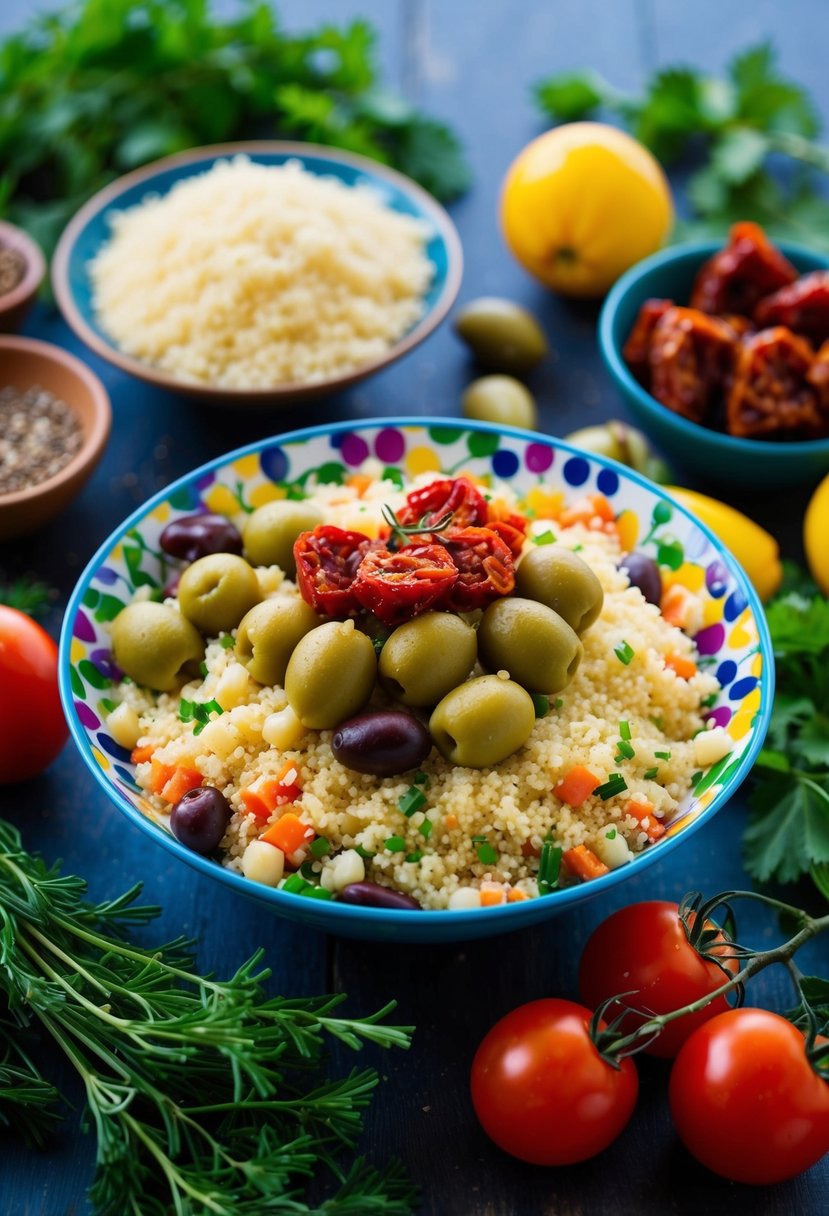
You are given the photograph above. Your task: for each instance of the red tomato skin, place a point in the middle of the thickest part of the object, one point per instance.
(32, 726)
(745, 1100)
(541, 1090)
(643, 949)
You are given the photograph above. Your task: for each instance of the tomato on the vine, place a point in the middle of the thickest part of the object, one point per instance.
(485, 565)
(398, 584)
(745, 1100)
(32, 726)
(457, 496)
(326, 564)
(542, 1091)
(643, 950)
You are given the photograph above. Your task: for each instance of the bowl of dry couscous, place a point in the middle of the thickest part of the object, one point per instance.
(257, 273)
(416, 680)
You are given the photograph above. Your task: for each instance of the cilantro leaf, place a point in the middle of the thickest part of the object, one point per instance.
(799, 625)
(572, 95)
(789, 827)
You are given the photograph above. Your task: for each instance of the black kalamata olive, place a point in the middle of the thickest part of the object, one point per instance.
(643, 573)
(384, 742)
(194, 536)
(199, 819)
(372, 895)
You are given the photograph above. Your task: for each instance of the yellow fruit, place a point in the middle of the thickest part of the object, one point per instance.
(816, 535)
(755, 549)
(582, 203)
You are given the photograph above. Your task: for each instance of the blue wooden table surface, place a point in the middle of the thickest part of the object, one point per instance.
(470, 62)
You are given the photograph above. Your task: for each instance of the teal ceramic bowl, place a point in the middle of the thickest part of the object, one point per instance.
(90, 229)
(711, 454)
(734, 642)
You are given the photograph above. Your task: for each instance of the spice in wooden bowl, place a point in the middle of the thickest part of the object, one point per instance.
(39, 435)
(12, 268)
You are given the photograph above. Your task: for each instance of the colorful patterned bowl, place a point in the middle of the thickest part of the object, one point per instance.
(734, 641)
(90, 229)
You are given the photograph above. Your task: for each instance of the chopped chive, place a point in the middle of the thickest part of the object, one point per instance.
(614, 785)
(316, 893)
(411, 801)
(540, 703)
(626, 749)
(577, 548)
(308, 872)
(416, 856)
(695, 780)
(108, 705)
(395, 844)
(364, 853)
(295, 884)
(486, 854)
(549, 865)
(479, 839)
(544, 538)
(710, 700)
(186, 710)
(203, 670)
(651, 774)
(610, 834)
(378, 644)
(557, 704)
(657, 721)
(662, 755)
(624, 729)
(421, 778)
(425, 828)
(320, 847)
(624, 653)
(226, 641)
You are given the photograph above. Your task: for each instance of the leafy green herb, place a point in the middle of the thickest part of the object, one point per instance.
(624, 730)
(788, 833)
(544, 538)
(410, 802)
(487, 855)
(198, 712)
(415, 856)
(624, 653)
(651, 774)
(626, 750)
(425, 828)
(295, 884)
(98, 89)
(226, 641)
(205, 1095)
(25, 594)
(741, 122)
(541, 704)
(662, 755)
(364, 853)
(395, 844)
(614, 785)
(549, 865)
(421, 778)
(320, 847)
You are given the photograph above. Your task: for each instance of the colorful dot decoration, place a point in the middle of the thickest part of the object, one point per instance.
(728, 641)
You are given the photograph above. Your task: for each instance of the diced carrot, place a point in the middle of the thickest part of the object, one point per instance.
(492, 894)
(160, 774)
(289, 833)
(644, 812)
(140, 755)
(450, 821)
(515, 895)
(592, 506)
(675, 605)
(255, 804)
(182, 780)
(267, 793)
(684, 668)
(359, 482)
(576, 786)
(584, 863)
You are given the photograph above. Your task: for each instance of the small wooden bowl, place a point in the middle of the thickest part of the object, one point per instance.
(24, 363)
(15, 304)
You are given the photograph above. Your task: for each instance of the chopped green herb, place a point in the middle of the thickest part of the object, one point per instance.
(421, 778)
(651, 774)
(364, 853)
(425, 828)
(413, 800)
(710, 700)
(295, 884)
(203, 672)
(557, 704)
(577, 548)
(614, 785)
(395, 844)
(610, 834)
(378, 644)
(487, 855)
(416, 856)
(544, 538)
(108, 705)
(624, 653)
(695, 780)
(624, 729)
(663, 755)
(312, 892)
(541, 704)
(549, 865)
(479, 839)
(626, 749)
(308, 872)
(198, 712)
(320, 847)
(226, 641)
(658, 721)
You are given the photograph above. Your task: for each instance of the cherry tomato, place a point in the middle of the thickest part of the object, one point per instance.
(736, 277)
(327, 559)
(643, 950)
(457, 495)
(32, 726)
(745, 1100)
(512, 532)
(398, 585)
(541, 1090)
(485, 565)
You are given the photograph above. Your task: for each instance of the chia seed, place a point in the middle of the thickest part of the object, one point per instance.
(12, 268)
(39, 435)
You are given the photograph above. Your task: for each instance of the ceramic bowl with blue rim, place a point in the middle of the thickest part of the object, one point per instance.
(733, 641)
(90, 229)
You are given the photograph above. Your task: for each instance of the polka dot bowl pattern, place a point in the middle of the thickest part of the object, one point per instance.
(733, 641)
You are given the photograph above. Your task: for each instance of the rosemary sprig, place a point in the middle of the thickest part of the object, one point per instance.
(206, 1096)
(402, 533)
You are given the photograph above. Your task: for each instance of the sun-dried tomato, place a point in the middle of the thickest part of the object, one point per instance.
(737, 277)
(485, 565)
(771, 396)
(397, 585)
(636, 350)
(457, 495)
(509, 532)
(691, 357)
(818, 377)
(327, 559)
(802, 306)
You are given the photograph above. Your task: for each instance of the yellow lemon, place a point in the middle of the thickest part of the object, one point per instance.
(816, 535)
(755, 549)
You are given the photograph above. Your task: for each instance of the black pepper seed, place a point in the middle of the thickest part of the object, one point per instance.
(39, 435)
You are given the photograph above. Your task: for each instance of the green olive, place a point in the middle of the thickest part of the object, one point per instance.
(270, 531)
(152, 642)
(426, 657)
(502, 335)
(482, 722)
(558, 577)
(330, 675)
(269, 633)
(216, 591)
(530, 641)
(500, 399)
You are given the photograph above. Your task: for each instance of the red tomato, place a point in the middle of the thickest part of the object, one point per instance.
(745, 1100)
(326, 564)
(643, 949)
(541, 1090)
(486, 569)
(453, 494)
(32, 726)
(397, 585)
(512, 531)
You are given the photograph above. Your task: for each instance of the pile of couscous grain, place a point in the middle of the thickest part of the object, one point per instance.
(511, 808)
